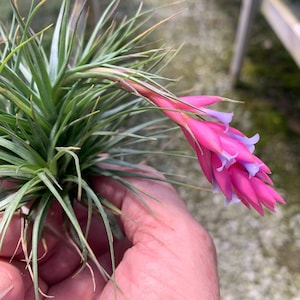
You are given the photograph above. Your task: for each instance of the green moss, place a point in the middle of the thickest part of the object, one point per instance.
(271, 72)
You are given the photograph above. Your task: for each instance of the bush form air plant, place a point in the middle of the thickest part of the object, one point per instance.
(64, 112)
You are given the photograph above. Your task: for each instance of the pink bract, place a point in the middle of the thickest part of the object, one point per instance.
(224, 153)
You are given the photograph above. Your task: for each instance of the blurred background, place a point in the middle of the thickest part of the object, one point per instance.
(259, 257)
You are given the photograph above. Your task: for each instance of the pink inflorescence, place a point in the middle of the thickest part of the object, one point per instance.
(225, 154)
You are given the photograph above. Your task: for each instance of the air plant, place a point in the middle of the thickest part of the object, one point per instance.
(66, 110)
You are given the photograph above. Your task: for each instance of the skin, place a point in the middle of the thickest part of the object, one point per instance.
(164, 254)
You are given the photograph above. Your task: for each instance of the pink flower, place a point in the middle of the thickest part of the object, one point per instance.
(226, 157)
(224, 153)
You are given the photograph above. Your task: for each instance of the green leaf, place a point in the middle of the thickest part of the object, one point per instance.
(37, 230)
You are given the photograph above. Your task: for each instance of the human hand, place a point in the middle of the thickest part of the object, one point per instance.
(165, 253)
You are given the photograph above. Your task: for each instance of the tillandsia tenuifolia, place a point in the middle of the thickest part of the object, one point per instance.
(64, 115)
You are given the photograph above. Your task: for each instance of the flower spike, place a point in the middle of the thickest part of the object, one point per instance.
(224, 153)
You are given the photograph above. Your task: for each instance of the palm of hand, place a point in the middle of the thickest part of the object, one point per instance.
(165, 254)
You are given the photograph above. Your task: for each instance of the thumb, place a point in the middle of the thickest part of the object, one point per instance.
(11, 282)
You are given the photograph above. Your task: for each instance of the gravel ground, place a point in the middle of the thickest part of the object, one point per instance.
(258, 257)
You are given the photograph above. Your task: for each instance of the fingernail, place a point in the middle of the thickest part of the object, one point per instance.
(6, 284)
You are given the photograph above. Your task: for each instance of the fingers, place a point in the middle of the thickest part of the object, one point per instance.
(86, 284)
(14, 236)
(65, 259)
(60, 263)
(11, 243)
(52, 247)
(55, 244)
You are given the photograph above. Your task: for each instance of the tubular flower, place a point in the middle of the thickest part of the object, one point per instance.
(224, 153)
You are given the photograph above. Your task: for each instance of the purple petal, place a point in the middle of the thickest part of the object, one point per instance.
(223, 117)
(226, 160)
(252, 168)
(248, 142)
(234, 199)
